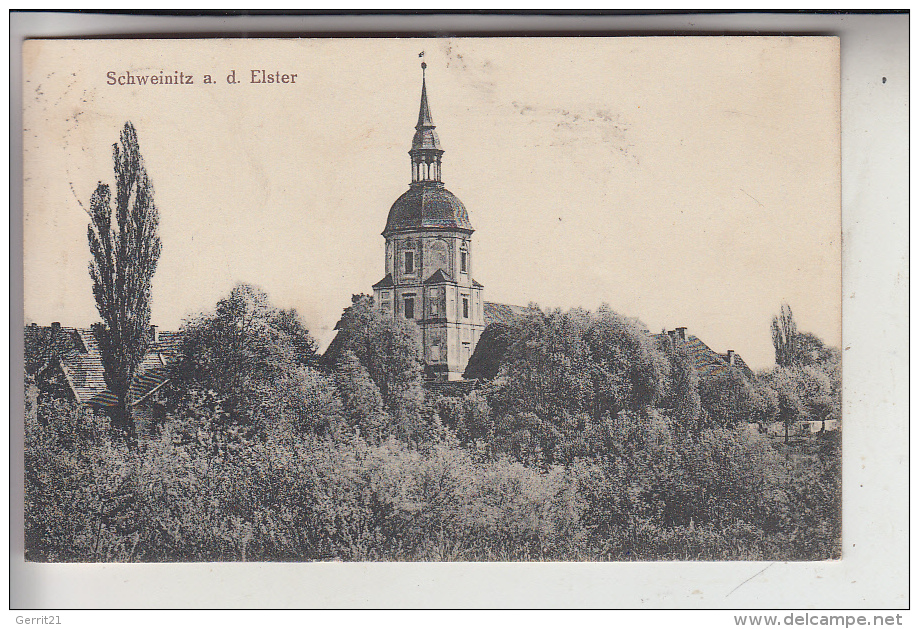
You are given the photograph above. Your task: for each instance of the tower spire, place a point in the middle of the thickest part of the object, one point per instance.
(426, 152)
(424, 113)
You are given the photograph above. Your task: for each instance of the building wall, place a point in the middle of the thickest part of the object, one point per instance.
(431, 251)
(448, 337)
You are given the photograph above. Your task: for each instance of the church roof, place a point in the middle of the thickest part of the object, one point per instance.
(425, 136)
(386, 282)
(424, 112)
(426, 206)
(439, 277)
(502, 313)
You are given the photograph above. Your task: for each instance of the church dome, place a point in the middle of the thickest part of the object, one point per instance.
(427, 206)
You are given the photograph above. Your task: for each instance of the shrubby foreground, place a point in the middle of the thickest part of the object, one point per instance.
(588, 440)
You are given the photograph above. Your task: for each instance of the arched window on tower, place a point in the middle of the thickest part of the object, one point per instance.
(464, 258)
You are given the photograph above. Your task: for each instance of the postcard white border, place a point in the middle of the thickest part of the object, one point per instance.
(874, 570)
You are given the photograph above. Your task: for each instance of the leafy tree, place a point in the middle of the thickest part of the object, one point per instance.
(797, 348)
(125, 249)
(627, 369)
(468, 416)
(727, 398)
(681, 385)
(249, 365)
(566, 371)
(362, 404)
(790, 406)
(547, 369)
(811, 350)
(764, 404)
(806, 382)
(390, 350)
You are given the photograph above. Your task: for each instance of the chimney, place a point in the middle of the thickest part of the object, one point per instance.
(681, 333)
(730, 357)
(152, 333)
(56, 325)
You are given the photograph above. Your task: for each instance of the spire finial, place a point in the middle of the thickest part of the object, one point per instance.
(424, 114)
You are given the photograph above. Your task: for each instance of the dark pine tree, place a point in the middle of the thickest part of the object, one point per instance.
(125, 249)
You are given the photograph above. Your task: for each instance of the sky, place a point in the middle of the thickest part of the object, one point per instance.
(687, 181)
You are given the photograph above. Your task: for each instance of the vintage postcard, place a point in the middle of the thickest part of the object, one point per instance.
(432, 300)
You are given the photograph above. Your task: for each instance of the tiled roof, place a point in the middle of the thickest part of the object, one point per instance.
(86, 374)
(706, 361)
(63, 339)
(738, 363)
(502, 313)
(84, 370)
(151, 374)
(168, 341)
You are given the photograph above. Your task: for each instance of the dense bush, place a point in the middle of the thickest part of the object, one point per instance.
(593, 441)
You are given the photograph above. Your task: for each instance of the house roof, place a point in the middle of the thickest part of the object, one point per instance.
(84, 370)
(86, 373)
(55, 339)
(706, 361)
(738, 362)
(168, 341)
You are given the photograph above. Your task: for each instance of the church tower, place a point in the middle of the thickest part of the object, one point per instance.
(429, 260)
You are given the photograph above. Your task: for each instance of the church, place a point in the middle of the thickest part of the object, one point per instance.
(429, 264)
(430, 260)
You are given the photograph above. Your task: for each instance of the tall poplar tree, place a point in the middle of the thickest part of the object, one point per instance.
(125, 248)
(785, 337)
